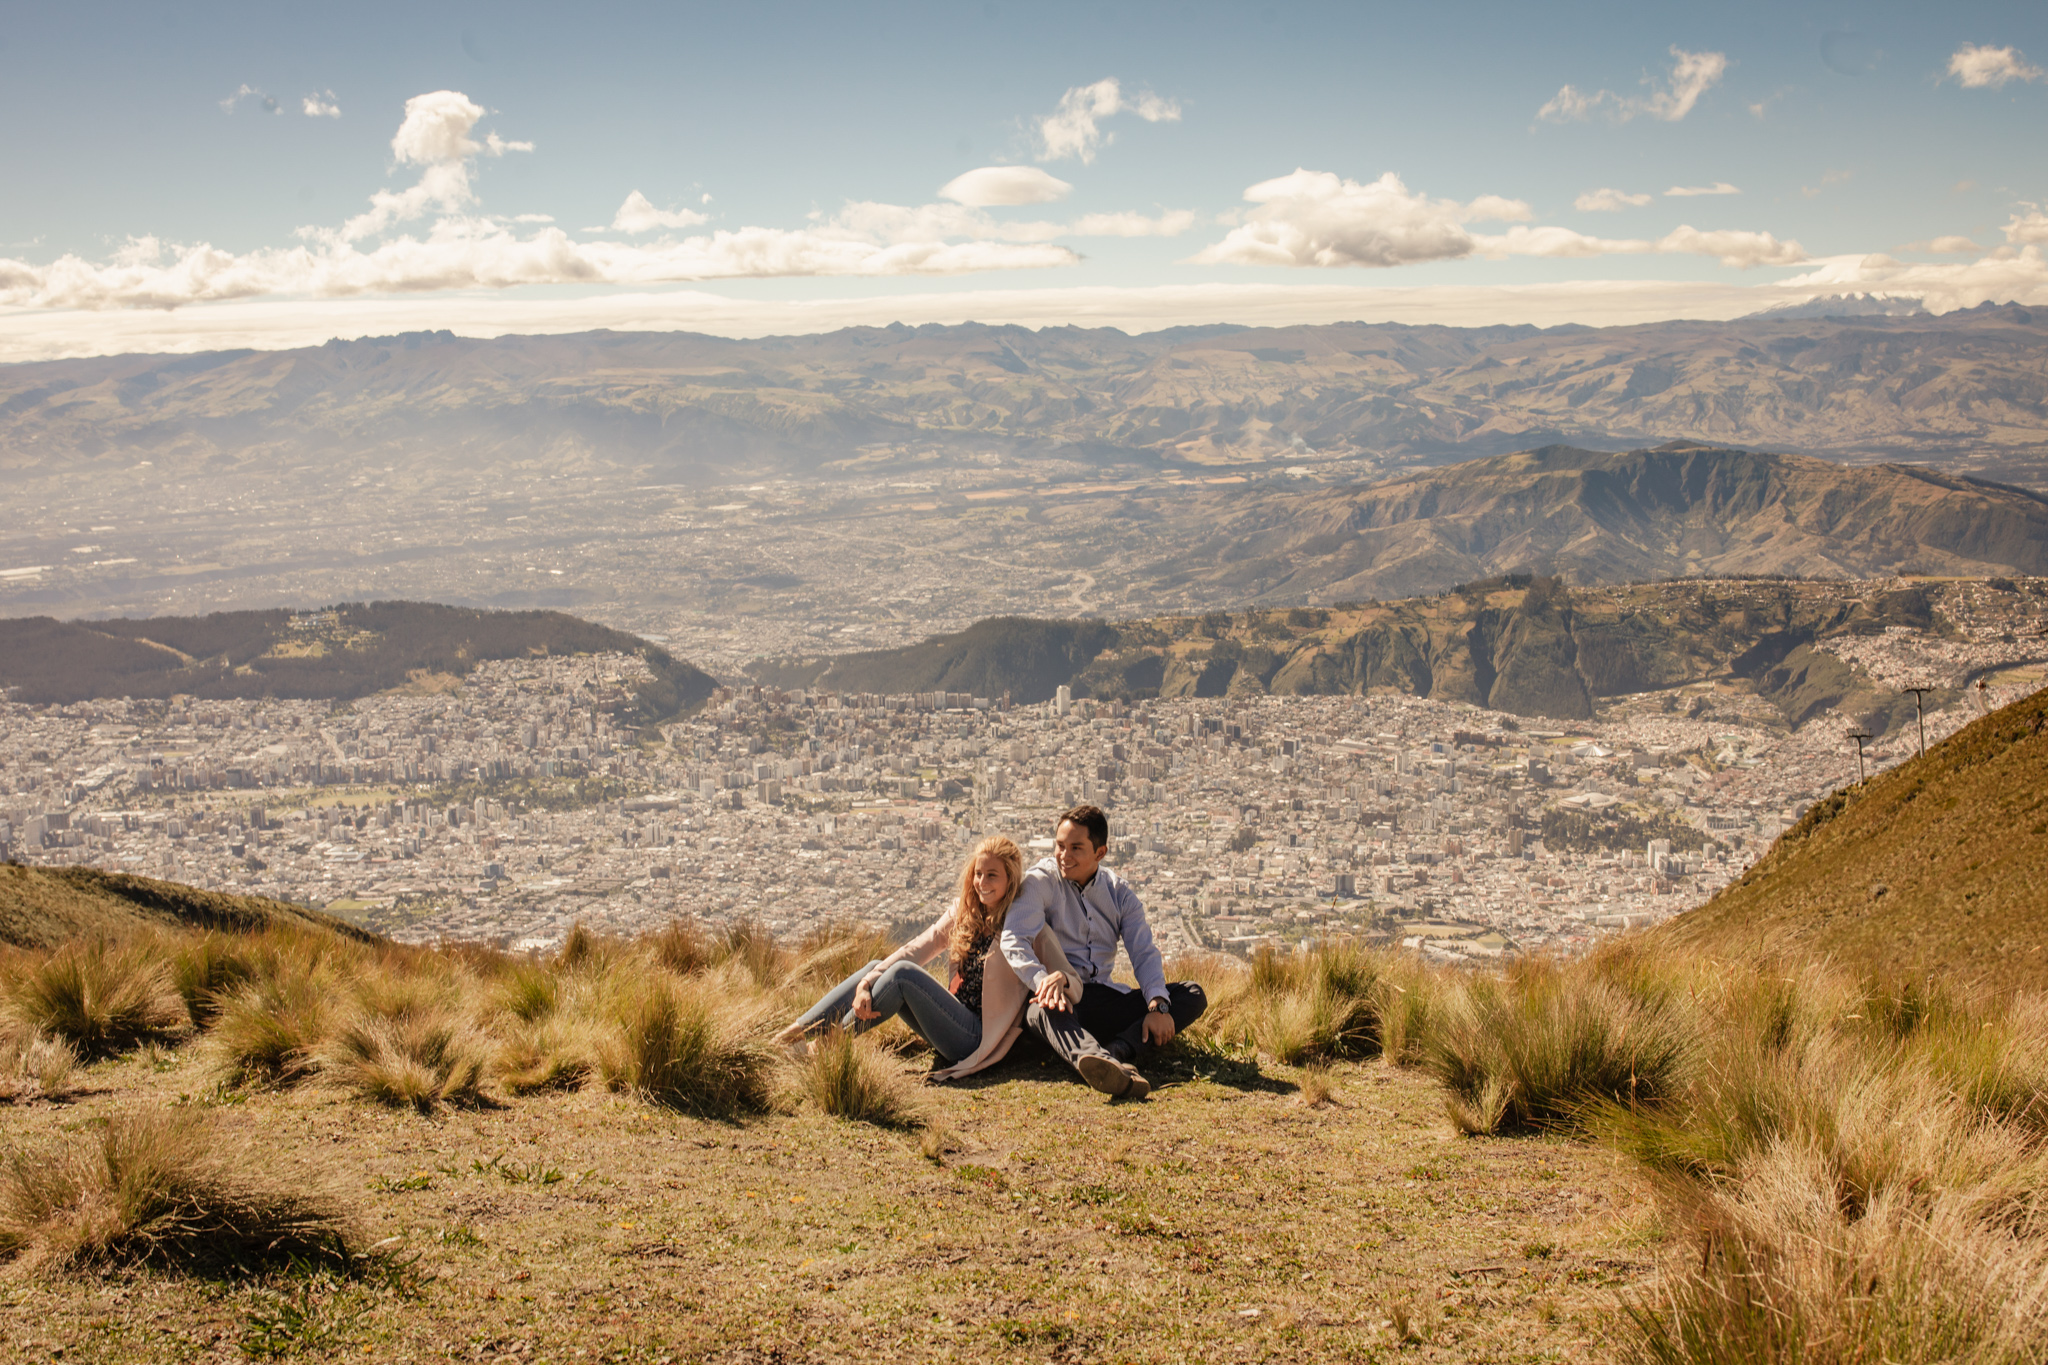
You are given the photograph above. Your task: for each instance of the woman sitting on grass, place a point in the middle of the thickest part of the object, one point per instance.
(972, 1024)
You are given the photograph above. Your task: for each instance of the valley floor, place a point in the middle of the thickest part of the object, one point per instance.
(1029, 1219)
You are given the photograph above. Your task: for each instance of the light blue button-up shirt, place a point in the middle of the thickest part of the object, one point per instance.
(1088, 923)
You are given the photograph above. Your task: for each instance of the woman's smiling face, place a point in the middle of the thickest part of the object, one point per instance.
(991, 879)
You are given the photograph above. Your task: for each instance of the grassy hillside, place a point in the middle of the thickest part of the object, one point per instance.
(289, 1144)
(1517, 643)
(44, 907)
(349, 651)
(1939, 866)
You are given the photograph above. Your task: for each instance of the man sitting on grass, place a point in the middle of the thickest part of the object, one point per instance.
(1090, 909)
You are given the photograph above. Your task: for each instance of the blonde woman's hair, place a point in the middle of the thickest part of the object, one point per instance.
(973, 918)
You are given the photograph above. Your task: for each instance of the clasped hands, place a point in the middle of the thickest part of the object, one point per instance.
(1052, 995)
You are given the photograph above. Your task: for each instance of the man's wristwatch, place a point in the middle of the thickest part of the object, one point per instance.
(1157, 1005)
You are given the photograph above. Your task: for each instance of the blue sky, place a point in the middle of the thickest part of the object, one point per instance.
(1176, 163)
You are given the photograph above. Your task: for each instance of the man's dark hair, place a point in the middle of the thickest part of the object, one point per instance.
(1091, 818)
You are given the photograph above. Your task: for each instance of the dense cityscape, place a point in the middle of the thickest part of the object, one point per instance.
(515, 804)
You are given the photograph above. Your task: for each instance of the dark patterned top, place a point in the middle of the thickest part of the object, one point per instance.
(967, 974)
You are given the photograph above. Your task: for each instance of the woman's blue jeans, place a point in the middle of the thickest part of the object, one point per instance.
(908, 990)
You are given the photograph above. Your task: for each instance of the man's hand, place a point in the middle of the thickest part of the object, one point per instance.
(1052, 992)
(1158, 1028)
(864, 1004)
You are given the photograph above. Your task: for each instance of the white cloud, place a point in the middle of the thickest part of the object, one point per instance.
(1314, 218)
(2004, 275)
(468, 253)
(1696, 191)
(434, 135)
(1074, 129)
(637, 214)
(1608, 201)
(1733, 248)
(466, 250)
(1950, 246)
(321, 106)
(268, 103)
(993, 185)
(1169, 224)
(1989, 68)
(2029, 228)
(1692, 75)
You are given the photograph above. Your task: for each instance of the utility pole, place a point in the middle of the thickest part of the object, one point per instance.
(1920, 710)
(1859, 736)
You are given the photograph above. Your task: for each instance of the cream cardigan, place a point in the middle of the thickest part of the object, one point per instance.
(1003, 996)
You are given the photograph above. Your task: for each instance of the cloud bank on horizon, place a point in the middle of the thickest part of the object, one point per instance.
(429, 232)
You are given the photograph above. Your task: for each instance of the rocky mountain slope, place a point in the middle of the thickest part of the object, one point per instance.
(1530, 646)
(1679, 510)
(1937, 867)
(1968, 388)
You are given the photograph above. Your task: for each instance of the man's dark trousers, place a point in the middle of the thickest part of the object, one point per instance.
(1110, 1022)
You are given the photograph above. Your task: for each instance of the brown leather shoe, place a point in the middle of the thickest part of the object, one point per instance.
(1113, 1077)
(1105, 1073)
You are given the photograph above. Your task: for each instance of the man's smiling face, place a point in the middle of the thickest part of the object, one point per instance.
(1075, 852)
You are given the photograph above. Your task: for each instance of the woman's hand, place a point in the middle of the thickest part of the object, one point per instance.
(864, 1004)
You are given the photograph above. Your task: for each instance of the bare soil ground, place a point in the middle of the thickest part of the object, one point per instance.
(1029, 1219)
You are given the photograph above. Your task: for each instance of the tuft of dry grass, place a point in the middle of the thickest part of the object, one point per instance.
(827, 954)
(101, 996)
(412, 1060)
(1536, 1049)
(851, 1077)
(158, 1187)
(683, 948)
(1316, 1087)
(751, 945)
(685, 1044)
(1323, 1003)
(33, 1064)
(407, 1042)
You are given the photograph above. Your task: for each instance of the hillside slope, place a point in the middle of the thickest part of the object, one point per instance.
(350, 651)
(1938, 867)
(44, 907)
(1680, 510)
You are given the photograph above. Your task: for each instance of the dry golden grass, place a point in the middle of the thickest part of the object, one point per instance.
(1852, 1168)
(691, 1045)
(34, 1065)
(850, 1076)
(101, 996)
(158, 1187)
(1937, 867)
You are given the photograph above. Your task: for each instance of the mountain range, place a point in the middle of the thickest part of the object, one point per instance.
(1527, 645)
(1968, 389)
(1679, 510)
